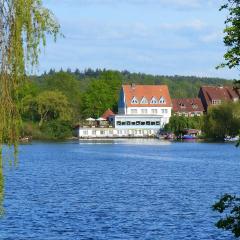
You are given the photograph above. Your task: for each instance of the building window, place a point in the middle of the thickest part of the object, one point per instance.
(144, 101)
(138, 123)
(94, 132)
(154, 101)
(85, 132)
(164, 111)
(143, 123)
(157, 123)
(154, 111)
(133, 111)
(128, 123)
(144, 111)
(182, 105)
(134, 100)
(133, 123)
(162, 100)
(123, 123)
(148, 123)
(194, 106)
(119, 123)
(216, 102)
(153, 123)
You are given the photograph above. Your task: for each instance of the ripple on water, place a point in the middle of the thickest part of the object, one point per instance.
(118, 190)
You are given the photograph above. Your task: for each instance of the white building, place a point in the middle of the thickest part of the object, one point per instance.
(143, 107)
(142, 111)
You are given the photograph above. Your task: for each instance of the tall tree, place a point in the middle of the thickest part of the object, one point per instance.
(24, 25)
(53, 105)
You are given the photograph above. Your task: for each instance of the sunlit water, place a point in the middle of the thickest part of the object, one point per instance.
(125, 189)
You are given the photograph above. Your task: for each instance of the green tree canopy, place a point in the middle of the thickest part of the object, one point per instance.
(178, 124)
(23, 28)
(101, 94)
(222, 120)
(53, 105)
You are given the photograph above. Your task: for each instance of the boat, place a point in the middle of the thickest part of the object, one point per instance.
(170, 136)
(231, 139)
(188, 137)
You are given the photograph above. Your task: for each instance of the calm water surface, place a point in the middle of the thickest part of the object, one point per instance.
(125, 189)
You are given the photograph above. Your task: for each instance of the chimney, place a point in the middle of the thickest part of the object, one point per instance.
(133, 85)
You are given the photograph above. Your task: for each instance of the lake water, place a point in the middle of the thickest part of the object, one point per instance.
(123, 189)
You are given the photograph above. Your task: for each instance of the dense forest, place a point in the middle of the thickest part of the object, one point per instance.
(55, 101)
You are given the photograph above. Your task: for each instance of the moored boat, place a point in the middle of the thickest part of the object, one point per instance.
(188, 137)
(231, 139)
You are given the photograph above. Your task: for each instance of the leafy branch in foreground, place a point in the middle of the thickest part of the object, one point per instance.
(231, 206)
(232, 34)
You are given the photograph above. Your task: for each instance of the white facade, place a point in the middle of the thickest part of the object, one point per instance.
(87, 132)
(140, 121)
(137, 111)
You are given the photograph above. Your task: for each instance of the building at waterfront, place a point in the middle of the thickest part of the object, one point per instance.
(188, 107)
(142, 111)
(143, 107)
(215, 95)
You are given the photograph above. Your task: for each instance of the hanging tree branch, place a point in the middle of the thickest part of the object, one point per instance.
(24, 25)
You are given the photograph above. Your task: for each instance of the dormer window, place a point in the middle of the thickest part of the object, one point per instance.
(182, 105)
(134, 100)
(194, 106)
(216, 102)
(154, 101)
(144, 101)
(162, 100)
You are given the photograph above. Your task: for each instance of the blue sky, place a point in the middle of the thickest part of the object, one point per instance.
(167, 37)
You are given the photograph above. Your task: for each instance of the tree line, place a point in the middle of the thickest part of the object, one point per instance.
(51, 104)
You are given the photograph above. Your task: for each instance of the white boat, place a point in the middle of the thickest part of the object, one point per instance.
(231, 139)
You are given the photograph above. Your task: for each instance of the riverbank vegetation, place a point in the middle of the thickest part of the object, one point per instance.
(220, 121)
(51, 104)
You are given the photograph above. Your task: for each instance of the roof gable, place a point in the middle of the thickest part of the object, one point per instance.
(149, 92)
(108, 113)
(215, 93)
(187, 105)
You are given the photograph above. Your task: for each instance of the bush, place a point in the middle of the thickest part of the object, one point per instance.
(57, 129)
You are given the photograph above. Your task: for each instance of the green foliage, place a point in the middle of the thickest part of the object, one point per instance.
(232, 34)
(57, 129)
(178, 124)
(24, 25)
(222, 120)
(67, 84)
(101, 94)
(230, 206)
(52, 105)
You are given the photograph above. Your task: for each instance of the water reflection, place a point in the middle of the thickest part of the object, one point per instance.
(125, 141)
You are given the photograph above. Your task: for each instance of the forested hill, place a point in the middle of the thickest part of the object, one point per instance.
(179, 86)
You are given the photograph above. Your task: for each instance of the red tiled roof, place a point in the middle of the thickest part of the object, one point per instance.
(225, 93)
(147, 91)
(187, 105)
(108, 113)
